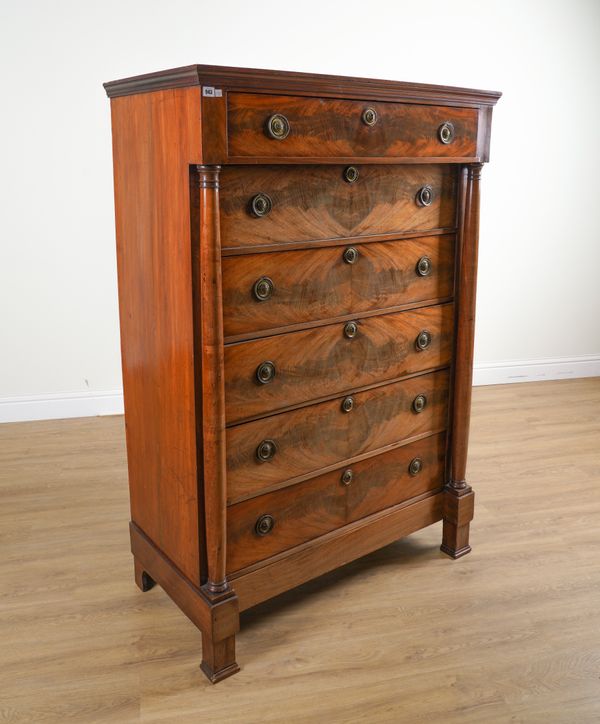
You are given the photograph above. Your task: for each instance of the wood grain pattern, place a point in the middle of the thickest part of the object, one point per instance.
(315, 202)
(317, 284)
(218, 620)
(323, 361)
(221, 620)
(218, 658)
(310, 509)
(312, 438)
(289, 569)
(154, 139)
(214, 130)
(329, 128)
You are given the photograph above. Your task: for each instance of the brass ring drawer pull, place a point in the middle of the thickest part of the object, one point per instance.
(347, 404)
(423, 340)
(266, 450)
(351, 174)
(350, 330)
(351, 255)
(261, 205)
(415, 466)
(424, 266)
(264, 525)
(419, 403)
(265, 373)
(425, 196)
(263, 289)
(347, 477)
(369, 117)
(446, 132)
(278, 127)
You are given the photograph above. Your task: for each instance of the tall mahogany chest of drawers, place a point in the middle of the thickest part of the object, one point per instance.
(297, 259)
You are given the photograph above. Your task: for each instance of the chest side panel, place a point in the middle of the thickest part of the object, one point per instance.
(155, 136)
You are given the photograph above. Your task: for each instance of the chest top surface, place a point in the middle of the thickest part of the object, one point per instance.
(335, 86)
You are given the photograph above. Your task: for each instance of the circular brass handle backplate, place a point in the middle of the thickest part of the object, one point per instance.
(264, 525)
(263, 289)
(266, 450)
(419, 403)
(425, 196)
(261, 205)
(424, 266)
(278, 127)
(446, 132)
(423, 340)
(415, 466)
(351, 255)
(265, 372)
(369, 117)
(347, 477)
(347, 404)
(351, 174)
(350, 330)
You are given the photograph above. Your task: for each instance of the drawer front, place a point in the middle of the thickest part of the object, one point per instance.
(303, 441)
(265, 291)
(275, 522)
(314, 363)
(327, 128)
(265, 205)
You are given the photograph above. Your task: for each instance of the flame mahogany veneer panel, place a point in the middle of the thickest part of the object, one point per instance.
(316, 202)
(323, 361)
(331, 127)
(316, 284)
(307, 510)
(322, 435)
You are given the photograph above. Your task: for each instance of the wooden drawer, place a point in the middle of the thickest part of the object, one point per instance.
(304, 286)
(307, 510)
(311, 203)
(322, 435)
(329, 128)
(324, 361)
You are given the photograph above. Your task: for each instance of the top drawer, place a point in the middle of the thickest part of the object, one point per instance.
(291, 127)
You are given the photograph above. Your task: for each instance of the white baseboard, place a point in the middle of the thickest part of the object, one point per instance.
(535, 370)
(90, 404)
(61, 405)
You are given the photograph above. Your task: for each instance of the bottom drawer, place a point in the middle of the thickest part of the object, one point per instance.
(272, 523)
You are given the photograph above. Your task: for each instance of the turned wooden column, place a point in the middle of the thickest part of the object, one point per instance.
(459, 497)
(212, 380)
(218, 641)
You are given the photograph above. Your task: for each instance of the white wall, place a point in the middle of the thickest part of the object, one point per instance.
(539, 295)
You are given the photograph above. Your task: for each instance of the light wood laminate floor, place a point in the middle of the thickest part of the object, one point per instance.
(510, 633)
